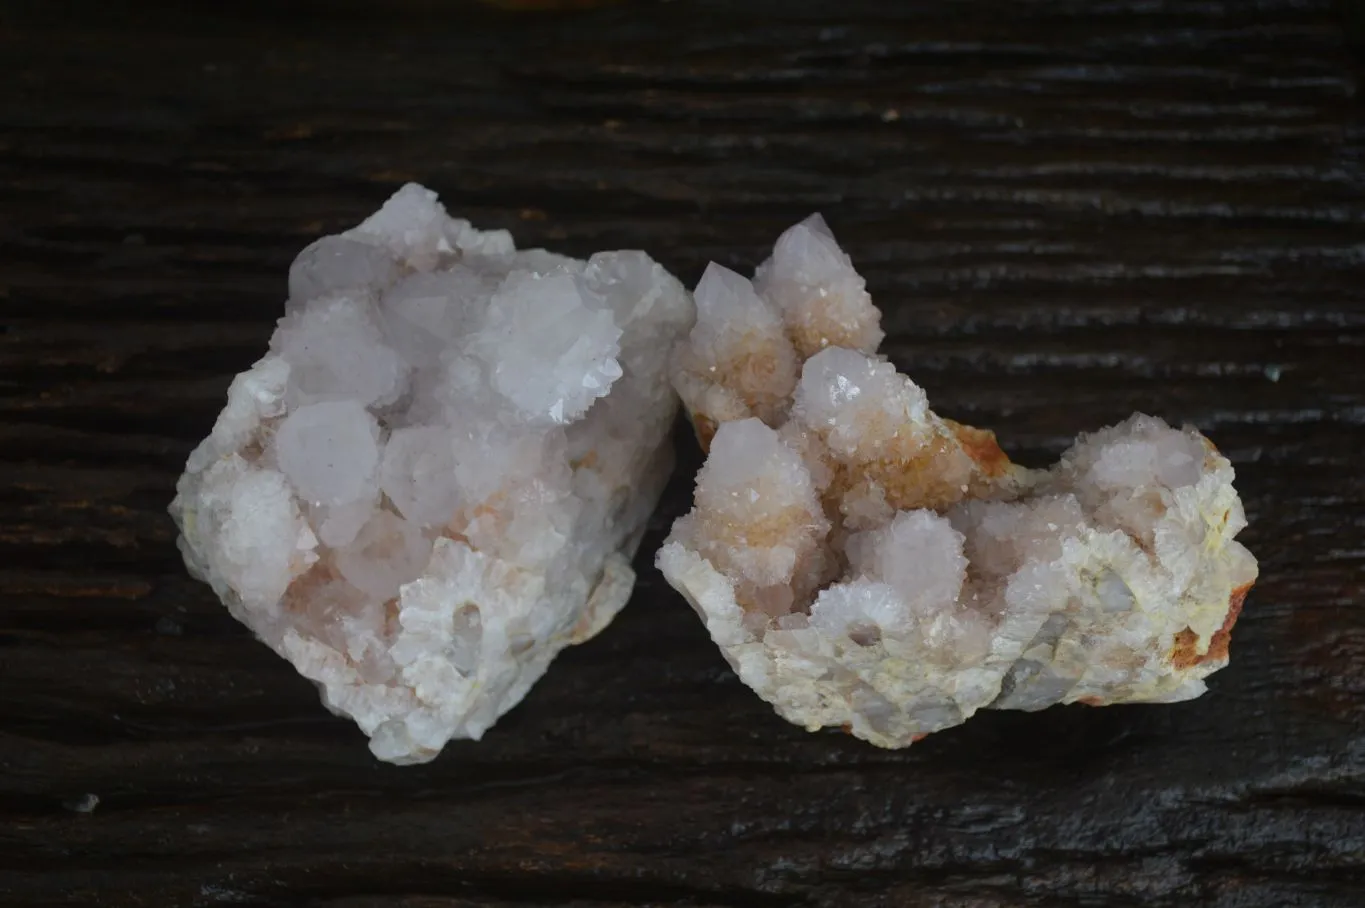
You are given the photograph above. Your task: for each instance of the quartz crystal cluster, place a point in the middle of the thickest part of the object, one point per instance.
(436, 477)
(864, 563)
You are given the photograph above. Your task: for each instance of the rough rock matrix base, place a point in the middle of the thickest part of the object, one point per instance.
(864, 563)
(436, 478)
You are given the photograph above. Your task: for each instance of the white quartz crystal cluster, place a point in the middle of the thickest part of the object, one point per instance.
(866, 564)
(436, 478)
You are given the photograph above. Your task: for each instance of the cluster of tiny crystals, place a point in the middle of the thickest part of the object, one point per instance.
(437, 476)
(864, 563)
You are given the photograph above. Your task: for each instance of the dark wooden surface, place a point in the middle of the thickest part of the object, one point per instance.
(1068, 211)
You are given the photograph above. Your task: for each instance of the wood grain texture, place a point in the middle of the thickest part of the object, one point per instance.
(1068, 210)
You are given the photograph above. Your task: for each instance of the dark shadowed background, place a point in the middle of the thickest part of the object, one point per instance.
(1067, 210)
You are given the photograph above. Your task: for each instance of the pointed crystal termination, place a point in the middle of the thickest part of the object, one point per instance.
(435, 479)
(864, 563)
